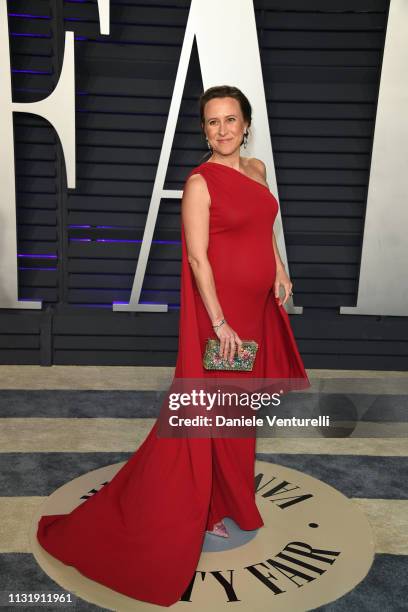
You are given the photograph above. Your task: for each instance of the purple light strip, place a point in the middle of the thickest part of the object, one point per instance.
(15, 71)
(111, 226)
(139, 241)
(32, 256)
(28, 16)
(170, 306)
(24, 268)
(30, 35)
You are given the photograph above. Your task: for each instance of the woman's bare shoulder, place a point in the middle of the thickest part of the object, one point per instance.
(196, 182)
(256, 169)
(196, 187)
(257, 165)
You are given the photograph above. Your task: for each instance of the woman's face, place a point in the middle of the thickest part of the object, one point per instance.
(224, 125)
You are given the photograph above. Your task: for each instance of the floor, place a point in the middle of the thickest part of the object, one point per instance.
(58, 423)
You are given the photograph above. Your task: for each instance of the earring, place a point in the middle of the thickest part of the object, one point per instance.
(208, 145)
(246, 139)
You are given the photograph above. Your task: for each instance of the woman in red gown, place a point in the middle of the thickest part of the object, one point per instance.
(142, 533)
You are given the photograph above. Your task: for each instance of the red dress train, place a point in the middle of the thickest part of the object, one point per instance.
(157, 507)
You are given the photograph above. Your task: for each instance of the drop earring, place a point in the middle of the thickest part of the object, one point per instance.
(245, 139)
(208, 145)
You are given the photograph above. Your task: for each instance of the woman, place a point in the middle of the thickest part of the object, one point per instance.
(218, 228)
(158, 506)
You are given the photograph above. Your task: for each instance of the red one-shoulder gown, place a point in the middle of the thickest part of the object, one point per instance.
(159, 504)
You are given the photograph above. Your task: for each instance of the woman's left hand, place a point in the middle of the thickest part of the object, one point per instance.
(283, 279)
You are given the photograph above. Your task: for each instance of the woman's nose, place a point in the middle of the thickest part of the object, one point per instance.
(222, 129)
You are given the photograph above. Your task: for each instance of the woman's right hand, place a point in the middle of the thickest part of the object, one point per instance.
(229, 342)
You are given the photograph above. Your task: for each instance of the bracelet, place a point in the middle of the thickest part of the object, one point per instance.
(219, 324)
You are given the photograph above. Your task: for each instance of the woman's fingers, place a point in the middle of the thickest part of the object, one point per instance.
(288, 291)
(229, 346)
(230, 343)
(232, 349)
(226, 342)
(222, 346)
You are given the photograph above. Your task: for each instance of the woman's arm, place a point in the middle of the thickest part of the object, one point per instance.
(279, 263)
(195, 214)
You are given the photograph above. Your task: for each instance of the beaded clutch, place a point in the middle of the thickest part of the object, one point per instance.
(244, 361)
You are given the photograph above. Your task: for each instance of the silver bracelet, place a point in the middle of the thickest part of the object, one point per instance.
(219, 324)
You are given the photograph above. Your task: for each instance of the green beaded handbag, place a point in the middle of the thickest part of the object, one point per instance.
(244, 361)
